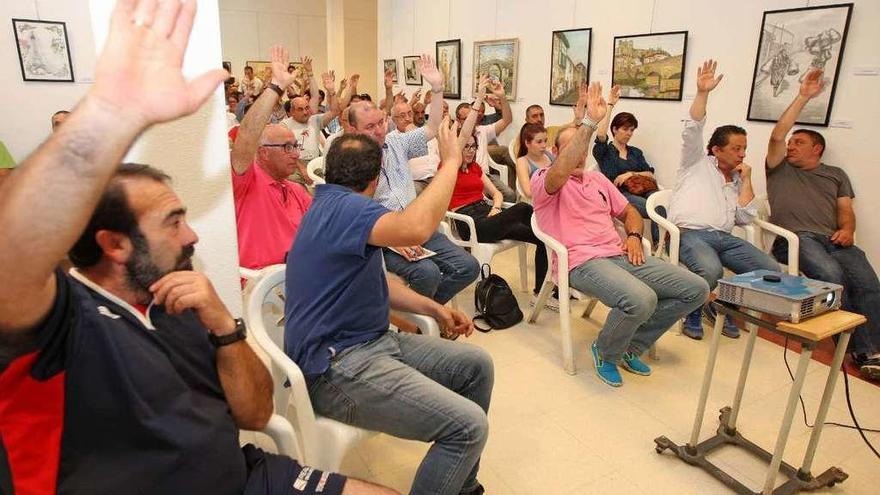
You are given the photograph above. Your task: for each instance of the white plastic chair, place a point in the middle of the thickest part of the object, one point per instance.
(314, 164)
(554, 247)
(767, 234)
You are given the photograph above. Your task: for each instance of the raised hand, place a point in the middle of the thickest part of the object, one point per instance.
(614, 94)
(706, 80)
(596, 106)
(329, 80)
(306, 66)
(813, 83)
(389, 78)
(482, 85)
(343, 84)
(497, 89)
(146, 42)
(449, 144)
(354, 81)
(280, 58)
(580, 107)
(430, 73)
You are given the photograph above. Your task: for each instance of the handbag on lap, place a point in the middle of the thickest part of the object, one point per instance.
(640, 185)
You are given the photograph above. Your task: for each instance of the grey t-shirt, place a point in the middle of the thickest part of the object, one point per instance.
(806, 200)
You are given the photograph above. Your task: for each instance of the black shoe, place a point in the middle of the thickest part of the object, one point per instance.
(869, 366)
(476, 491)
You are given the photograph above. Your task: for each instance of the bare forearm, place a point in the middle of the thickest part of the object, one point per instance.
(313, 92)
(602, 132)
(633, 220)
(389, 99)
(746, 192)
(435, 113)
(251, 128)
(246, 384)
(572, 157)
(402, 298)
(506, 116)
(846, 219)
(698, 107)
(429, 207)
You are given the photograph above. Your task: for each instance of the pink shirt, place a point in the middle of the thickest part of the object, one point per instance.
(267, 214)
(580, 215)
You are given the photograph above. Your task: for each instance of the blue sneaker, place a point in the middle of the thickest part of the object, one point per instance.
(693, 325)
(607, 371)
(730, 329)
(632, 363)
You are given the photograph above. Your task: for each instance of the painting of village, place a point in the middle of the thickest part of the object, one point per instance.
(497, 59)
(569, 64)
(650, 66)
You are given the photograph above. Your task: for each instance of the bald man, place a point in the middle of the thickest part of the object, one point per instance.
(303, 117)
(268, 207)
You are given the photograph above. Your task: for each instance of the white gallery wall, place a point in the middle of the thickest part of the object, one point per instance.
(726, 31)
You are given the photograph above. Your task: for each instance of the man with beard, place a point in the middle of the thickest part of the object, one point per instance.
(129, 371)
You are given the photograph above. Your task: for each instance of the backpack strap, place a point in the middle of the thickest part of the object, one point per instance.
(478, 327)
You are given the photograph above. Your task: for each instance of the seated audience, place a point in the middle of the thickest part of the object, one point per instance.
(713, 193)
(402, 117)
(128, 373)
(268, 207)
(533, 155)
(621, 162)
(535, 115)
(337, 326)
(815, 200)
(646, 295)
(58, 118)
(250, 85)
(452, 269)
(231, 105)
(304, 119)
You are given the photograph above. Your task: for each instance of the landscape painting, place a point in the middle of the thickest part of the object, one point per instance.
(497, 59)
(650, 66)
(569, 64)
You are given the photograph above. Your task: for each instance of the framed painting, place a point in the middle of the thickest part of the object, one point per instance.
(792, 42)
(569, 64)
(448, 55)
(43, 50)
(497, 59)
(411, 73)
(650, 66)
(390, 64)
(262, 69)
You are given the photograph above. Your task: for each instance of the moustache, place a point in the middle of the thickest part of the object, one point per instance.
(184, 261)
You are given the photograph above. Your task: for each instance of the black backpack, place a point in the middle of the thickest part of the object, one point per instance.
(495, 302)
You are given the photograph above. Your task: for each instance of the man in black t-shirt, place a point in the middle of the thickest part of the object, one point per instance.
(129, 373)
(815, 201)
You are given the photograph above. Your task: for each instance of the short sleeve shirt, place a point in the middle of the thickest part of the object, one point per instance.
(337, 295)
(580, 215)
(267, 213)
(806, 200)
(396, 190)
(307, 135)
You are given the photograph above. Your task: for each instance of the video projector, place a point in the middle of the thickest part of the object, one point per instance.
(786, 296)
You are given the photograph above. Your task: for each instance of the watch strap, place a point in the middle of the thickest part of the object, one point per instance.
(276, 88)
(240, 333)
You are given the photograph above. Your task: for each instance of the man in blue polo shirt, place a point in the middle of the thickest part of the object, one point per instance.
(338, 300)
(128, 374)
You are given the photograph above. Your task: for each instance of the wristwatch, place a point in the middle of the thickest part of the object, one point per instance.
(240, 333)
(276, 88)
(589, 123)
(634, 234)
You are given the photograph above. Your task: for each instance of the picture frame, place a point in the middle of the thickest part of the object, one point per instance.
(569, 64)
(448, 53)
(650, 66)
(498, 59)
(411, 73)
(43, 50)
(390, 64)
(262, 69)
(791, 42)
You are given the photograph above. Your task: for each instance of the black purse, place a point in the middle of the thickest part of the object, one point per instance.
(495, 303)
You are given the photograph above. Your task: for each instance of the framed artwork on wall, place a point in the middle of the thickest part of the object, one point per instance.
(43, 50)
(411, 73)
(390, 64)
(569, 64)
(497, 59)
(792, 42)
(262, 69)
(448, 54)
(650, 66)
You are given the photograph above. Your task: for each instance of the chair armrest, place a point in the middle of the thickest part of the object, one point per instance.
(249, 273)
(646, 247)
(793, 243)
(472, 229)
(426, 324)
(674, 234)
(281, 432)
(501, 169)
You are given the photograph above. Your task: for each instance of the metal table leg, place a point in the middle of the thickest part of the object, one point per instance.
(785, 429)
(707, 382)
(741, 384)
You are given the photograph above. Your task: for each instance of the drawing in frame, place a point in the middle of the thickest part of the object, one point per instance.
(497, 59)
(43, 50)
(390, 64)
(792, 42)
(411, 73)
(448, 55)
(569, 64)
(650, 66)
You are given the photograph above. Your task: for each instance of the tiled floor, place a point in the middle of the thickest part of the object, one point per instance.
(552, 433)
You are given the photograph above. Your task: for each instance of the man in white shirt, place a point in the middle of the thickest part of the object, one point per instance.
(305, 122)
(713, 192)
(251, 86)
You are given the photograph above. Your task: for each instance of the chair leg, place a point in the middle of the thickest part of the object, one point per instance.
(523, 267)
(590, 307)
(565, 328)
(652, 353)
(542, 299)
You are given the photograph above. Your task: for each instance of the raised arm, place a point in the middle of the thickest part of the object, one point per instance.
(506, 115)
(46, 204)
(613, 97)
(329, 80)
(470, 123)
(257, 117)
(389, 92)
(432, 76)
(572, 155)
(810, 87)
(706, 82)
(313, 84)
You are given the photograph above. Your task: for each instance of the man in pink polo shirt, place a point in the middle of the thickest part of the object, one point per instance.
(268, 207)
(578, 207)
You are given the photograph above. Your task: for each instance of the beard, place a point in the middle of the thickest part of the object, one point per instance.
(142, 271)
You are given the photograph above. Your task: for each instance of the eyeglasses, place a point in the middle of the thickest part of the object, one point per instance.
(288, 147)
(470, 147)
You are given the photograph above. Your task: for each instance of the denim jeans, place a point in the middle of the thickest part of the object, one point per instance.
(823, 260)
(418, 388)
(641, 204)
(439, 277)
(708, 252)
(645, 300)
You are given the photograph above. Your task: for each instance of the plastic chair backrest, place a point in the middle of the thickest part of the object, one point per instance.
(315, 164)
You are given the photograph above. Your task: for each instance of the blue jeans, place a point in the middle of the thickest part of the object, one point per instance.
(644, 300)
(418, 388)
(439, 277)
(847, 266)
(708, 252)
(641, 204)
